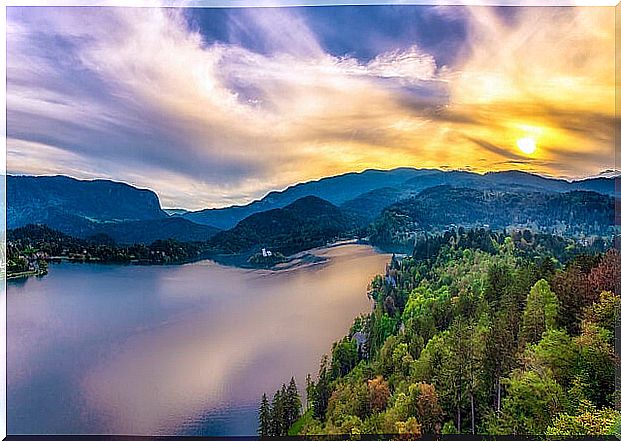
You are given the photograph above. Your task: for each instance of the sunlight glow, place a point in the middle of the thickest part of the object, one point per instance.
(527, 145)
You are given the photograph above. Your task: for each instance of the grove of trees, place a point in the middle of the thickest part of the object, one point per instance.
(482, 333)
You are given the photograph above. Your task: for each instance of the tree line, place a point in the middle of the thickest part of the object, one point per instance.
(277, 417)
(36, 244)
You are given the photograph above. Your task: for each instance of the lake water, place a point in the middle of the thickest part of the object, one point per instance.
(172, 349)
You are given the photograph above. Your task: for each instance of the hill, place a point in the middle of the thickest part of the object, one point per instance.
(30, 247)
(148, 231)
(306, 223)
(370, 204)
(484, 334)
(575, 213)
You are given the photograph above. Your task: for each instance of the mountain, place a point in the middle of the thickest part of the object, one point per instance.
(573, 213)
(601, 185)
(57, 201)
(368, 192)
(370, 204)
(87, 208)
(306, 223)
(175, 211)
(528, 180)
(334, 189)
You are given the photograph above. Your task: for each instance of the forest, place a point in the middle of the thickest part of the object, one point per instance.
(437, 209)
(478, 332)
(32, 246)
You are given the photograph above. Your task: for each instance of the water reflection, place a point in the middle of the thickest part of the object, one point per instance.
(163, 350)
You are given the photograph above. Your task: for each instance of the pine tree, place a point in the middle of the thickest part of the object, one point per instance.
(322, 392)
(310, 390)
(293, 404)
(277, 414)
(264, 417)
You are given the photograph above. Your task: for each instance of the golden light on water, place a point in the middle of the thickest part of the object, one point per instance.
(527, 145)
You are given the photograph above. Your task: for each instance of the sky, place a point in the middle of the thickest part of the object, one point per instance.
(213, 107)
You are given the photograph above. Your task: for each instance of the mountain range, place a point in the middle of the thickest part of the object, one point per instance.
(368, 192)
(389, 204)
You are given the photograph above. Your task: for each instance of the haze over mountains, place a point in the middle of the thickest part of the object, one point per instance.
(395, 203)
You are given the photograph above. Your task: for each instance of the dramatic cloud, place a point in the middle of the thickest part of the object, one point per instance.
(146, 96)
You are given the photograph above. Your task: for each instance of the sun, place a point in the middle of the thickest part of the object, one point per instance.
(528, 145)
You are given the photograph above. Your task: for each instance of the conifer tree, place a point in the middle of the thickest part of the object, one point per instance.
(264, 417)
(293, 408)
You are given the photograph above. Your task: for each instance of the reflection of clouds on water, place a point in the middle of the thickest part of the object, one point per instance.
(211, 338)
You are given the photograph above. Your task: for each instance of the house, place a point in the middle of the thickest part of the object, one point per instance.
(361, 343)
(360, 338)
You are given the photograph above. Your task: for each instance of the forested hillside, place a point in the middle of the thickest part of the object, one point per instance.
(306, 223)
(575, 213)
(29, 248)
(478, 332)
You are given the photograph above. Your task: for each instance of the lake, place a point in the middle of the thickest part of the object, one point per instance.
(184, 350)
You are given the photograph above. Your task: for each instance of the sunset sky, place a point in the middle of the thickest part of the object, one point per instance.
(210, 107)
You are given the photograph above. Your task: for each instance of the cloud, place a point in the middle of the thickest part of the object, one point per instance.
(543, 72)
(497, 150)
(140, 95)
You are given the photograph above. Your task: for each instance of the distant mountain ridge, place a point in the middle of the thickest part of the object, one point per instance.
(334, 189)
(397, 184)
(36, 199)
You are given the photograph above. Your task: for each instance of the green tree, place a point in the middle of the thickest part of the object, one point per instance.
(278, 414)
(540, 313)
(264, 417)
(596, 364)
(533, 400)
(321, 391)
(292, 405)
(344, 357)
(557, 352)
(310, 386)
(588, 421)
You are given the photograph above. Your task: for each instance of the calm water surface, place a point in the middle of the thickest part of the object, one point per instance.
(172, 349)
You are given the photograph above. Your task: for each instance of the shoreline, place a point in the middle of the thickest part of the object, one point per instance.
(302, 259)
(25, 275)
